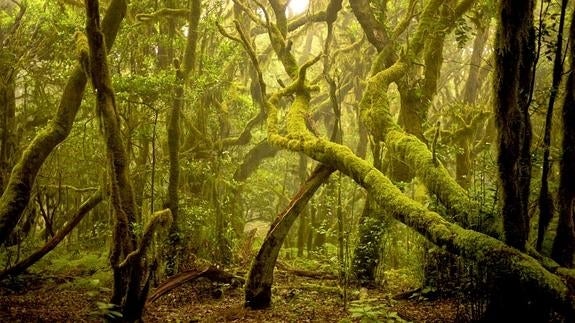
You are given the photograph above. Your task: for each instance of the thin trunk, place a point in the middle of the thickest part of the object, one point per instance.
(303, 219)
(173, 131)
(545, 199)
(473, 82)
(564, 243)
(464, 156)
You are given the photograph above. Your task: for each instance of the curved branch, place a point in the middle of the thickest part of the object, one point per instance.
(84, 209)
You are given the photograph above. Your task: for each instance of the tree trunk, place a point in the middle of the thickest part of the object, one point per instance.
(513, 74)
(173, 131)
(260, 278)
(127, 257)
(564, 243)
(546, 208)
(303, 219)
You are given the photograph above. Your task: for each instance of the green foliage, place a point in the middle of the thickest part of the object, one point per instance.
(463, 31)
(157, 85)
(81, 262)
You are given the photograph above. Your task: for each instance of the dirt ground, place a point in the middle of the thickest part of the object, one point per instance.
(36, 298)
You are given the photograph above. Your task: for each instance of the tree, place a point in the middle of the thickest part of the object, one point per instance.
(564, 243)
(512, 266)
(514, 57)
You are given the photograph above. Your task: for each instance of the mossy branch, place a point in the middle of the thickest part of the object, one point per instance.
(405, 21)
(160, 219)
(253, 17)
(162, 13)
(82, 51)
(487, 251)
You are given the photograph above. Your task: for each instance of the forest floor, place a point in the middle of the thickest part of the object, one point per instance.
(81, 298)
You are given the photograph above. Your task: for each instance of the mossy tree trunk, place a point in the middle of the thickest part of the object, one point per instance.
(16, 195)
(407, 149)
(128, 255)
(564, 243)
(514, 59)
(510, 263)
(173, 132)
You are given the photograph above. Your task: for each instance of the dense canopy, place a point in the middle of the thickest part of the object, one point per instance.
(397, 154)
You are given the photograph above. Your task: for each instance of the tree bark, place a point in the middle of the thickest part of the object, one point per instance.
(513, 73)
(546, 208)
(173, 131)
(260, 278)
(127, 257)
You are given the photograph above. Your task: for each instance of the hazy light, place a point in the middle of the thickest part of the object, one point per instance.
(296, 7)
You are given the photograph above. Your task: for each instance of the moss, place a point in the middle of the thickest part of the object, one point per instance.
(375, 113)
(426, 24)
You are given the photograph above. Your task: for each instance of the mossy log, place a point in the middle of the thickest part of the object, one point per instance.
(508, 263)
(17, 192)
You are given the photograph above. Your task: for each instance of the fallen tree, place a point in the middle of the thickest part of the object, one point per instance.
(485, 250)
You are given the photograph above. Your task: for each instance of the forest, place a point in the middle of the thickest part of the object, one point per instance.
(287, 161)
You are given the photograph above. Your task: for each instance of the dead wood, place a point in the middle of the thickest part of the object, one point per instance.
(212, 273)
